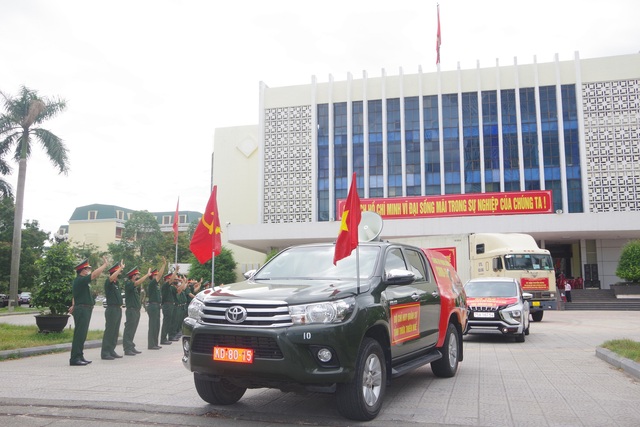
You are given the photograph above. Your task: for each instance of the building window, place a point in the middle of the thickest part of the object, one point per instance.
(431, 145)
(471, 142)
(93, 215)
(166, 219)
(323, 162)
(120, 215)
(340, 168)
(119, 233)
(182, 219)
(374, 121)
(412, 144)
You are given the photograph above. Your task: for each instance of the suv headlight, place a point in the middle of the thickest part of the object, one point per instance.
(322, 312)
(512, 315)
(196, 307)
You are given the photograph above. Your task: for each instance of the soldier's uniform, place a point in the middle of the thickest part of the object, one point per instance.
(153, 310)
(168, 307)
(112, 316)
(132, 313)
(82, 309)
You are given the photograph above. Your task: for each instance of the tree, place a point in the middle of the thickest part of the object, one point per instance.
(629, 264)
(224, 271)
(5, 187)
(55, 277)
(33, 246)
(142, 243)
(18, 125)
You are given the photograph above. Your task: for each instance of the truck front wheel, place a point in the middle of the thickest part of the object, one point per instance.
(447, 366)
(361, 399)
(217, 392)
(537, 316)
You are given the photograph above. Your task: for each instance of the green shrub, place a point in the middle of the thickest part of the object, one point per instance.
(629, 264)
(55, 276)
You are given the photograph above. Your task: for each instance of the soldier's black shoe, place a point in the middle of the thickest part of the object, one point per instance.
(156, 347)
(136, 351)
(86, 361)
(116, 355)
(165, 342)
(129, 353)
(78, 363)
(109, 357)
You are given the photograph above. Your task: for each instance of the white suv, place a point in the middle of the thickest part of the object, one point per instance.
(497, 305)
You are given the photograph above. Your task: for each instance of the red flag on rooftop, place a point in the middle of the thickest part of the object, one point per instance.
(438, 39)
(351, 215)
(207, 241)
(175, 223)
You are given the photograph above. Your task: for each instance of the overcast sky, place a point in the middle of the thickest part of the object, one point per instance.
(148, 81)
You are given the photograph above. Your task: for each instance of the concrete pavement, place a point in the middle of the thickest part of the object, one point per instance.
(553, 379)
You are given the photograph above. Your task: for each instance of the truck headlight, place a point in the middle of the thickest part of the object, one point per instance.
(322, 312)
(195, 308)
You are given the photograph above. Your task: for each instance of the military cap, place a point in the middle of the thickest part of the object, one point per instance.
(133, 272)
(167, 276)
(154, 271)
(84, 264)
(114, 268)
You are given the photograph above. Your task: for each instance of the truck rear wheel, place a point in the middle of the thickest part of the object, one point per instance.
(537, 316)
(217, 392)
(361, 399)
(448, 365)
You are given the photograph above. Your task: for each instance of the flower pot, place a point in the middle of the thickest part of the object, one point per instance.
(51, 323)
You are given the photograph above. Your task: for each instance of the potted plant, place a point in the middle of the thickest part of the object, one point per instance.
(53, 295)
(629, 270)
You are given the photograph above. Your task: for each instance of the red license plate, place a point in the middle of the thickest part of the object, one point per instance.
(232, 354)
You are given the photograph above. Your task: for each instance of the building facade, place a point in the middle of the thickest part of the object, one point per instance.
(100, 225)
(568, 129)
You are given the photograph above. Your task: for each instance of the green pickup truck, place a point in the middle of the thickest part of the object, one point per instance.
(302, 323)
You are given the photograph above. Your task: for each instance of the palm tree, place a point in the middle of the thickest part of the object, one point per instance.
(17, 126)
(5, 187)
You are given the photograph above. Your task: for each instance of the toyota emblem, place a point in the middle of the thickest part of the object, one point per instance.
(236, 314)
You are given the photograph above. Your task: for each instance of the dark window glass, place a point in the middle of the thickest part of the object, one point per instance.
(376, 184)
(394, 149)
(323, 162)
(431, 145)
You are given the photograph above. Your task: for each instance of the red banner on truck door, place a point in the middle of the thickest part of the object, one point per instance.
(534, 284)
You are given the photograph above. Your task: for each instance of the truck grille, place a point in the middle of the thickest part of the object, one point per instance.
(263, 347)
(259, 314)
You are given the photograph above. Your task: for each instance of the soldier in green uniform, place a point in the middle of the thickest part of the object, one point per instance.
(168, 307)
(112, 313)
(153, 309)
(132, 311)
(82, 308)
(178, 285)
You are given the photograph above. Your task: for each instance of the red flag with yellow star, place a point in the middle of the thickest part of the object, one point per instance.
(351, 215)
(207, 240)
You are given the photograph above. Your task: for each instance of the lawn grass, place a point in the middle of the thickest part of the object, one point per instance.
(624, 347)
(19, 310)
(14, 337)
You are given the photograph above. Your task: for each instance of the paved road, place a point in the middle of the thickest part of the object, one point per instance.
(553, 379)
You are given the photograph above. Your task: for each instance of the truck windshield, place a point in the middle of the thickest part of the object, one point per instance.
(316, 262)
(528, 262)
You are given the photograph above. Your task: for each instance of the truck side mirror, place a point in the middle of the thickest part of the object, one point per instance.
(497, 264)
(249, 274)
(398, 276)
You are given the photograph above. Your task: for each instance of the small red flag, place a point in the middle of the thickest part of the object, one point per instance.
(175, 223)
(351, 215)
(207, 240)
(438, 38)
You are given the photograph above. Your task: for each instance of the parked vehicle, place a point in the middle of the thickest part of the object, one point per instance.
(24, 298)
(497, 305)
(302, 323)
(4, 300)
(513, 255)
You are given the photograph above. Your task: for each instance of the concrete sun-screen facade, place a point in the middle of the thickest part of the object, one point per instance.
(550, 149)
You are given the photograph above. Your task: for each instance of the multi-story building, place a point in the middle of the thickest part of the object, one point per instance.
(100, 225)
(555, 145)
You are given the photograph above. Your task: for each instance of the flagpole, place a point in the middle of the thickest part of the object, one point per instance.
(358, 270)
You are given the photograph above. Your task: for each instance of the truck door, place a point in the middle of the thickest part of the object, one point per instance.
(410, 306)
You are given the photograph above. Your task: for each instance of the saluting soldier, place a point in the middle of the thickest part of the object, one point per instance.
(132, 312)
(112, 313)
(81, 309)
(179, 285)
(153, 309)
(168, 307)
